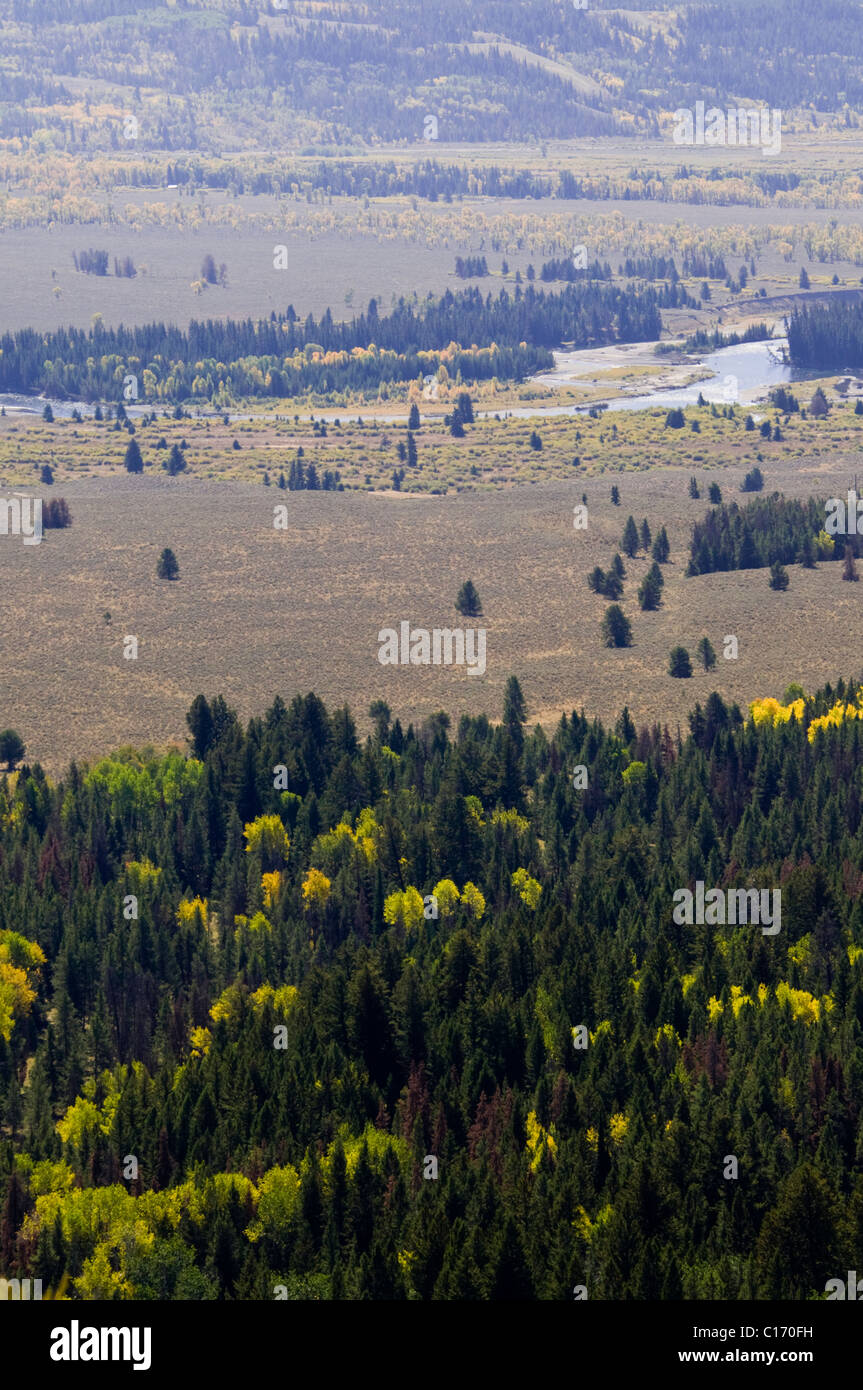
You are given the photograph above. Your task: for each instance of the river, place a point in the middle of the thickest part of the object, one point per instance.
(743, 374)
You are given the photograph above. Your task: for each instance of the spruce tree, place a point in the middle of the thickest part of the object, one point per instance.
(679, 663)
(629, 543)
(616, 627)
(167, 566)
(468, 601)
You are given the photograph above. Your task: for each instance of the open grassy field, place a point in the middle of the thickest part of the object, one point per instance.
(258, 611)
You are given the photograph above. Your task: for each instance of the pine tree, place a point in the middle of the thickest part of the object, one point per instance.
(661, 548)
(849, 569)
(778, 577)
(176, 461)
(167, 567)
(468, 602)
(616, 628)
(679, 663)
(464, 405)
(650, 589)
(133, 460)
(629, 543)
(706, 653)
(514, 711)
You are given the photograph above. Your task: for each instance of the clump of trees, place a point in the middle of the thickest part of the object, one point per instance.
(56, 515)
(768, 530)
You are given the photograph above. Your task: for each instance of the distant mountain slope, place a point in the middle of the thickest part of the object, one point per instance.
(228, 75)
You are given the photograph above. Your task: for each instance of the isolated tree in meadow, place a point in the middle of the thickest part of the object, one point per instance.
(849, 570)
(47, 474)
(411, 451)
(167, 567)
(650, 589)
(48, 414)
(629, 543)
(133, 460)
(661, 548)
(615, 495)
(414, 417)
(645, 535)
(706, 654)
(456, 424)
(804, 278)
(535, 440)
(715, 494)
(679, 663)
(778, 577)
(12, 748)
(693, 488)
(176, 462)
(617, 567)
(209, 271)
(616, 627)
(754, 480)
(468, 601)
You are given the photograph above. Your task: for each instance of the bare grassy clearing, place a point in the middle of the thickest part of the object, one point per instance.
(258, 611)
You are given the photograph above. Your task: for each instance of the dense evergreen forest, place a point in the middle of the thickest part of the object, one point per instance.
(508, 337)
(827, 335)
(239, 1052)
(770, 530)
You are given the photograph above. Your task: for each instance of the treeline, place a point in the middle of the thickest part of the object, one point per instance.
(432, 180)
(771, 530)
(471, 267)
(701, 341)
(286, 356)
(91, 262)
(827, 335)
(566, 269)
(238, 1049)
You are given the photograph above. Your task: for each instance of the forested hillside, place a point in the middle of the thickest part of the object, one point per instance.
(331, 73)
(239, 1051)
